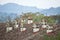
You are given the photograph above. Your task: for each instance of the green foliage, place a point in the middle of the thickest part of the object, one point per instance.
(35, 16)
(50, 20)
(57, 37)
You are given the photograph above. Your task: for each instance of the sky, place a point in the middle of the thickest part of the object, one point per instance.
(34, 3)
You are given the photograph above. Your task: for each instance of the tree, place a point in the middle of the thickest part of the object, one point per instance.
(49, 19)
(36, 17)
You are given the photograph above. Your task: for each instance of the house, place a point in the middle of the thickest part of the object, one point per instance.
(9, 29)
(16, 25)
(43, 24)
(22, 28)
(30, 20)
(26, 19)
(35, 28)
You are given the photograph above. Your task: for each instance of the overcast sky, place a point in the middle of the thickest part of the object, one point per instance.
(35, 3)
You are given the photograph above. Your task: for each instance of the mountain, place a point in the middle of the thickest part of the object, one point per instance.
(15, 8)
(51, 11)
(18, 9)
(4, 16)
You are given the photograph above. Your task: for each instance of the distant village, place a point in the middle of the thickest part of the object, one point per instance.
(28, 25)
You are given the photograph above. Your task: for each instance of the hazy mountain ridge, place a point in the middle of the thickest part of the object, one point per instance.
(51, 11)
(4, 16)
(15, 8)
